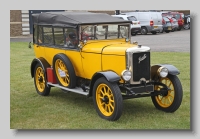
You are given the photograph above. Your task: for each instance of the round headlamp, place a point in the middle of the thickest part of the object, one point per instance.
(163, 72)
(126, 75)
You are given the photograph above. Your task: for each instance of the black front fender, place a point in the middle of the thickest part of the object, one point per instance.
(109, 75)
(172, 69)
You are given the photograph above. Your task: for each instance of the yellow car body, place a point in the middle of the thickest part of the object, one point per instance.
(91, 59)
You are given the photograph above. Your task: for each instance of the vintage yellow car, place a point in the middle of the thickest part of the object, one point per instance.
(92, 54)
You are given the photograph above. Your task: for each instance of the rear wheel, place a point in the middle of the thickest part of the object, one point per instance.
(64, 71)
(162, 30)
(144, 30)
(186, 26)
(179, 28)
(40, 81)
(170, 101)
(107, 99)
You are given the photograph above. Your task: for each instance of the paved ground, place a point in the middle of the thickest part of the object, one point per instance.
(178, 41)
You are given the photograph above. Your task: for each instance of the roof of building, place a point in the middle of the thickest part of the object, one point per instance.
(74, 18)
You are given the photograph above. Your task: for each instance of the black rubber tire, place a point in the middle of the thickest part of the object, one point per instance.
(144, 31)
(176, 94)
(162, 30)
(186, 26)
(133, 33)
(40, 81)
(111, 109)
(179, 28)
(69, 80)
(154, 33)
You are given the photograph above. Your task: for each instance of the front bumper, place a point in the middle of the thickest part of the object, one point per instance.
(143, 90)
(133, 90)
(135, 30)
(169, 28)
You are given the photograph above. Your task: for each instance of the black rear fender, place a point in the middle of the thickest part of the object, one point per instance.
(43, 63)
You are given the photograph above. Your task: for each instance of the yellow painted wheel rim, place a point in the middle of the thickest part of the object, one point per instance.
(167, 100)
(39, 79)
(60, 66)
(105, 100)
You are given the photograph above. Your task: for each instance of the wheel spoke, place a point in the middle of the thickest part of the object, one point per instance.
(171, 95)
(111, 105)
(169, 84)
(59, 64)
(169, 100)
(101, 92)
(104, 90)
(102, 103)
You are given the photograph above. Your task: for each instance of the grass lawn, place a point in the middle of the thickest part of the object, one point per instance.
(61, 110)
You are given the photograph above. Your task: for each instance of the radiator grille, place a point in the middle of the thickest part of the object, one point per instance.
(141, 68)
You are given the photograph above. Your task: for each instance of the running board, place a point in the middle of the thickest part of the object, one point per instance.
(77, 90)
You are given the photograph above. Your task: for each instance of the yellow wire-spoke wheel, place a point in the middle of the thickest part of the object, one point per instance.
(39, 78)
(166, 100)
(62, 72)
(170, 100)
(40, 81)
(105, 100)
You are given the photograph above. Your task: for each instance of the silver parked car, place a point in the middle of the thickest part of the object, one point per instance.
(174, 23)
(167, 26)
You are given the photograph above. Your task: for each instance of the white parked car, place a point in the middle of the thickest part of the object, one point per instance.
(135, 26)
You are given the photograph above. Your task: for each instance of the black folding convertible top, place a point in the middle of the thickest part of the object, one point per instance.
(73, 19)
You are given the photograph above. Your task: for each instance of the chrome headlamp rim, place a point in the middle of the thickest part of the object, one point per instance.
(162, 72)
(124, 75)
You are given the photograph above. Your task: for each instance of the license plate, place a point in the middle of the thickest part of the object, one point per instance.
(155, 26)
(135, 23)
(169, 28)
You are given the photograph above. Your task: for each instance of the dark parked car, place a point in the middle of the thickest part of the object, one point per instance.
(186, 22)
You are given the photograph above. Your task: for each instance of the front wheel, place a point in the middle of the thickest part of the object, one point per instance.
(133, 33)
(107, 99)
(170, 101)
(40, 81)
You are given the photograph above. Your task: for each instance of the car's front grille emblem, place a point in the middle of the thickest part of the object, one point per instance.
(141, 58)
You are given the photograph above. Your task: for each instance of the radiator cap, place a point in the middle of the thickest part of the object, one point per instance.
(139, 45)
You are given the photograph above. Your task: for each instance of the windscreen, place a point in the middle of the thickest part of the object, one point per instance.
(102, 32)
